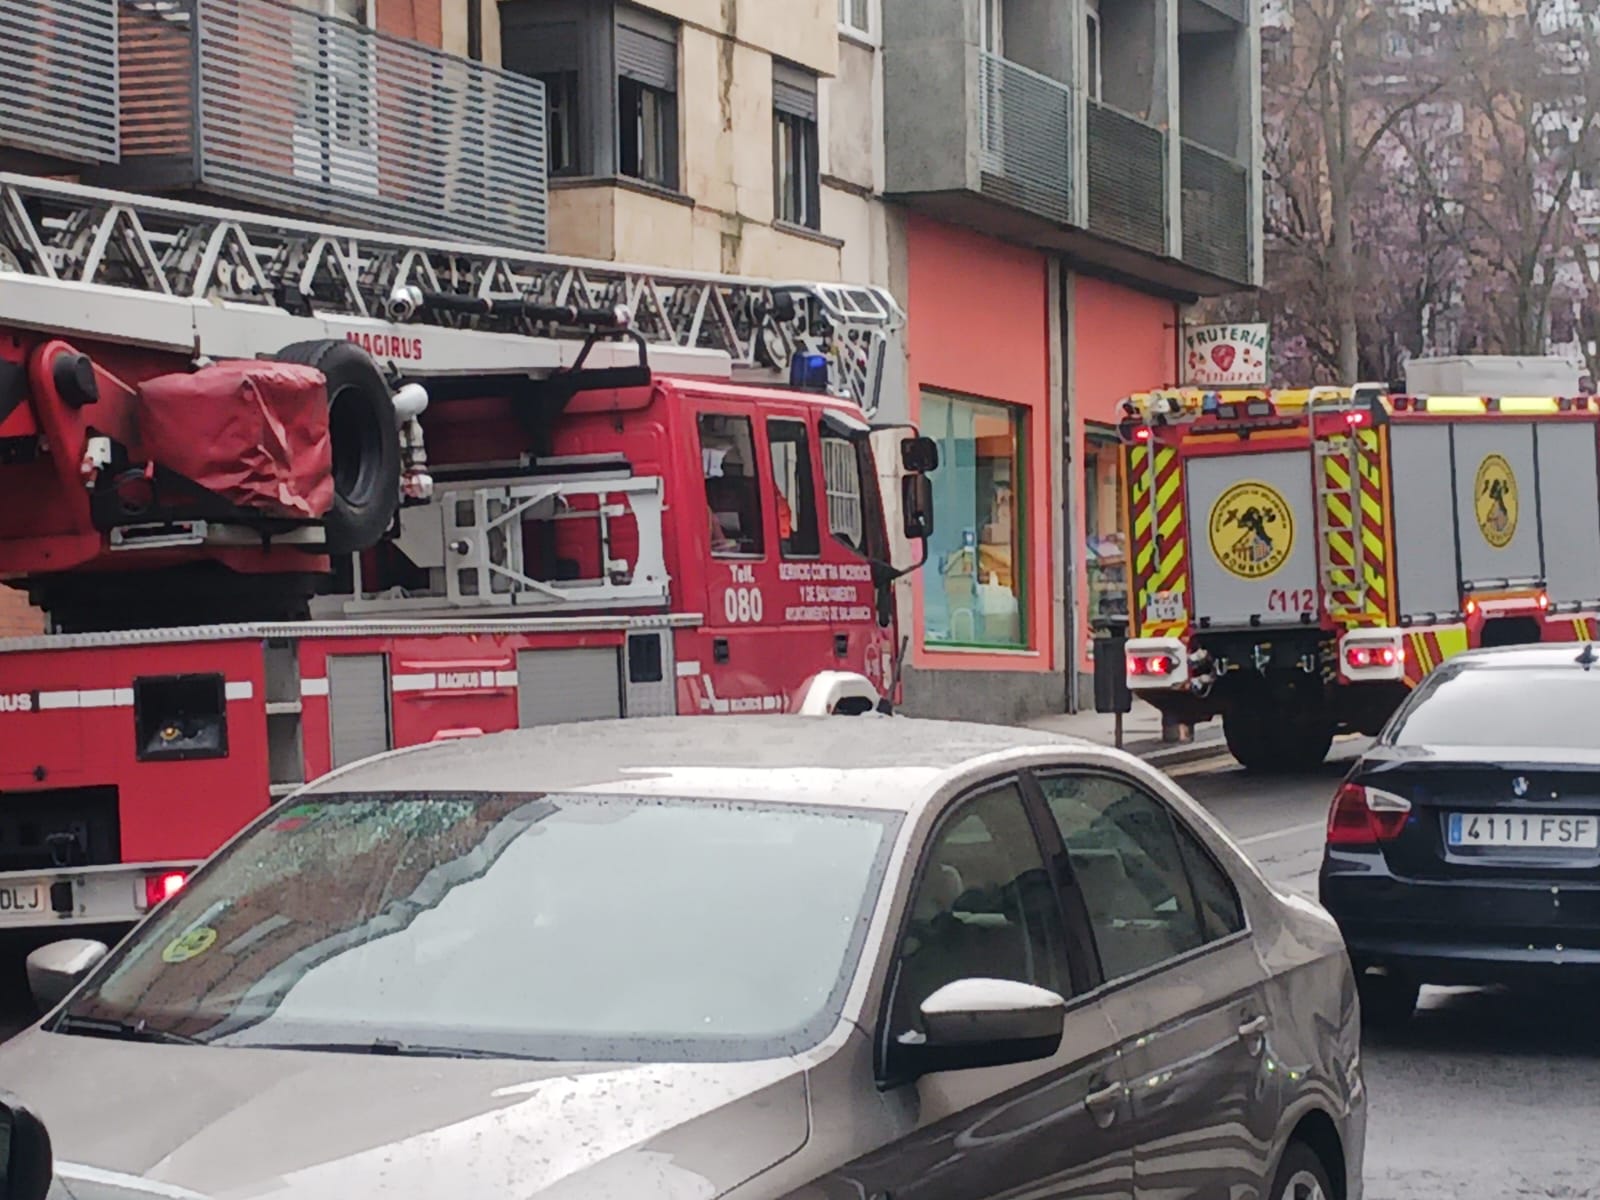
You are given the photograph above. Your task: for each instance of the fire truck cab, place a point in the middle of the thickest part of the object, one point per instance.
(294, 495)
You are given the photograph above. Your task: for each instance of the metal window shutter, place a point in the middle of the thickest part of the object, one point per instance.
(539, 48)
(794, 92)
(358, 706)
(649, 59)
(580, 684)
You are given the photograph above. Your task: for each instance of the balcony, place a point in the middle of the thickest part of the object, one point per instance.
(1127, 179)
(58, 77)
(1018, 151)
(1216, 212)
(267, 105)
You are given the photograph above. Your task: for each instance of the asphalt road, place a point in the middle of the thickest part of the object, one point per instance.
(1485, 1096)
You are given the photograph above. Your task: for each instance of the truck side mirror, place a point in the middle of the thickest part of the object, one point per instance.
(916, 506)
(25, 1155)
(919, 455)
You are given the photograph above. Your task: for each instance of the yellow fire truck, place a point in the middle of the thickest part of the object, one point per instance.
(1301, 558)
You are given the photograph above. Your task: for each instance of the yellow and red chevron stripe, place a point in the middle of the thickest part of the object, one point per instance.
(1160, 542)
(1427, 648)
(1348, 602)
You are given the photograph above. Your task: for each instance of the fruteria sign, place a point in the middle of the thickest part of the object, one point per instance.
(1225, 355)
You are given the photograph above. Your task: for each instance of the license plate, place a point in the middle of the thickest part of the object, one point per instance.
(22, 900)
(1540, 830)
(1164, 606)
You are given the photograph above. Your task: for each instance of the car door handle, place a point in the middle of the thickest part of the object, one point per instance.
(1252, 1029)
(1102, 1104)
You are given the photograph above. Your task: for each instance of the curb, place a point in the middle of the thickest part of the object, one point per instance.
(1183, 752)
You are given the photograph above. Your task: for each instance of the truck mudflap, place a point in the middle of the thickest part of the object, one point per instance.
(120, 894)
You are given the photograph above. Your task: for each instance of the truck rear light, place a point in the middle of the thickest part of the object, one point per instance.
(1362, 658)
(1151, 664)
(1372, 655)
(1363, 816)
(163, 886)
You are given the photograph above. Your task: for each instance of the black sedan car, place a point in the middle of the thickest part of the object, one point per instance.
(1464, 846)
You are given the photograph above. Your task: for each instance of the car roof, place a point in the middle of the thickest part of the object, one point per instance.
(1536, 654)
(868, 761)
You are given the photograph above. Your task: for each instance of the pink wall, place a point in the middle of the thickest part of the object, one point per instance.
(978, 325)
(1123, 342)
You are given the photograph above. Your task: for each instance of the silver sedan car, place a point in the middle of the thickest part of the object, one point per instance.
(763, 957)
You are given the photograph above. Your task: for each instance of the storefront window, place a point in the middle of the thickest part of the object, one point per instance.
(976, 578)
(1106, 554)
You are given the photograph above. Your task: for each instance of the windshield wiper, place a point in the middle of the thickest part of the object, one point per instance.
(393, 1048)
(127, 1031)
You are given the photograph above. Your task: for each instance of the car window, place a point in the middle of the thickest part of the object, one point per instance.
(984, 907)
(733, 487)
(1537, 707)
(1134, 864)
(795, 488)
(575, 928)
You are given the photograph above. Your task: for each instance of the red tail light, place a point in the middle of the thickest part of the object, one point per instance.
(163, 887)
(1362, 657)
(1142, 434)
(1151, 664)
(1366, 816)
(1355, 418)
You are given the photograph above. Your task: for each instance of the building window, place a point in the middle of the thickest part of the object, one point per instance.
(647, 100)
(795, 489)
(975, 585)
(794, 140)
(1106, 553)
(562, 139)
(1091, 43)
(856, 16)
(733, 488)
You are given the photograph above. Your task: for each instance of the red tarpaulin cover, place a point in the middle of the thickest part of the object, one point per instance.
(254, 432)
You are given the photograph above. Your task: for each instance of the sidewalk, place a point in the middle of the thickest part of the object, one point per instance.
(1141, 734)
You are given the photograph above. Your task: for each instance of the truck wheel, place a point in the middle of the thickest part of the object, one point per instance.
(366, 443)
(1307, 745)
(1252, 741)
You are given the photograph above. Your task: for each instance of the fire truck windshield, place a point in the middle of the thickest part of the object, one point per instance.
(540, 926)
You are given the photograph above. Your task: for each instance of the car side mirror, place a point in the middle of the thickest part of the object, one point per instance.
(55, 969)
(975, 1023)
(919, 455)
(916, 507)
(25, 1155)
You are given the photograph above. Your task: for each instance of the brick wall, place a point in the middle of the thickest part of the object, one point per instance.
(18, 618)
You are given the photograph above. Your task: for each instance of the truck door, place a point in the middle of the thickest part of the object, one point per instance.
(1252, 529)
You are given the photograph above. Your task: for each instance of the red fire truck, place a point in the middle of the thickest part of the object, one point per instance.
(1300, 559)
(293, 494)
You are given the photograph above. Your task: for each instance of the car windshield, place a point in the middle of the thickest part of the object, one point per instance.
(592, 928)
(1537, 708)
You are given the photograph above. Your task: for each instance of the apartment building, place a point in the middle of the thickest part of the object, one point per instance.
(684, 133)
(1061, 178)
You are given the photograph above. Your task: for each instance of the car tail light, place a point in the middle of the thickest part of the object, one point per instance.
(1363, 816)
(163, 887)
(1151, 665)
(1364, 658)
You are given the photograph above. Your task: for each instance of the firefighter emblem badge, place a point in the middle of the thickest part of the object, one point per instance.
(1252, 530)
(1494, 501)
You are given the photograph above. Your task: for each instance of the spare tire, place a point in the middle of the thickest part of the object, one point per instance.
(366, 443)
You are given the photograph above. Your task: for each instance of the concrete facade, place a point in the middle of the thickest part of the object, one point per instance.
(719, 211)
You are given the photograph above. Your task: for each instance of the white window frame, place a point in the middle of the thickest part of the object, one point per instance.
(1094, 71)
(872, 12)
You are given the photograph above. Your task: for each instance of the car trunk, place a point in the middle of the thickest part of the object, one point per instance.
(1519, 819)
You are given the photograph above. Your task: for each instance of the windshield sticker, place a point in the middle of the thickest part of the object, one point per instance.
(189, 945)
